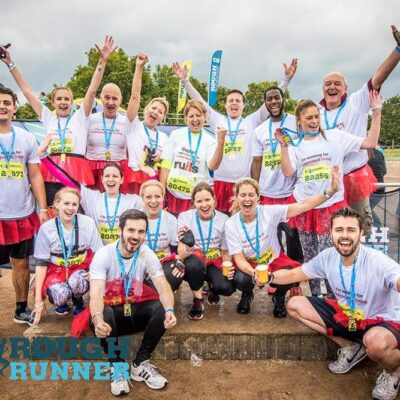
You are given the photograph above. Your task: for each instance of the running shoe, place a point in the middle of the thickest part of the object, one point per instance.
(279, 305)
(24, 317)
(196, 310)
(147, 372)
(213, 299)
(244, 304)
(387, 385)
(119, 385)
(205, 288)
(79, 306)
(62, 310)
(348, 357)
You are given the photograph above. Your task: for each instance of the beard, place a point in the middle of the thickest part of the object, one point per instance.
(278, 115)
(350, 250)
(130, 246)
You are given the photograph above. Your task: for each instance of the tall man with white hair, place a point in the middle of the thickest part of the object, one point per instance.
(350, 113)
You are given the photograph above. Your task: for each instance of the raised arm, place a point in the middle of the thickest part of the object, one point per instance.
(104, 52)
(375, 101)
(286, 165)
(29, 94)
(216, 159)
(134, 101)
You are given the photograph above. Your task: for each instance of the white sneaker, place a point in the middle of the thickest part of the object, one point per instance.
(387, 385)
(348, 357)
(148, 373)
(119, 385)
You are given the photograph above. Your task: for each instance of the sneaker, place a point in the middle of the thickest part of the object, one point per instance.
(196, 311)
(147, 372)
(348, 357)
(295, 291)
(205, 288)
(24, 317)
(119, 385)
(244, 304)
(213, 299)
(279, 305)
(387, 385)
(271, 290)
(62, 310)
(79, 306)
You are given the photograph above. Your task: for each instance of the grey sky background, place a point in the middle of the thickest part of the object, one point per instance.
(49, 38)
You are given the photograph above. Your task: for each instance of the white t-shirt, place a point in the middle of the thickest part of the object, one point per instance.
(375, 282)
(217, 237)
(167, 235)
(16, 200)
(272, 181)
(96, 143)
(353, 119)
(94, 205)
(314, 159)
(268, 219)
(48, 245)
(138, 140)
(75, 131)
(182, 178)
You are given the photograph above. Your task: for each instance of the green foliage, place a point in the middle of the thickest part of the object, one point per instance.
(390, 125)
(26, 112)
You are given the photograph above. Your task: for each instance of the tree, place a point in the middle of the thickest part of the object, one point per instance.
(390, 125)
(26, 112)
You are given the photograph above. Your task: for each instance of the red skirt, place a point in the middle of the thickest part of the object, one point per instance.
(223, 193)
(176, 205)
(268, 201)
(359, 184)
(318, 220)
(281, 262)
(18, 230)
(75, 166)
(136, 179)
(217, 262)
(97, 169)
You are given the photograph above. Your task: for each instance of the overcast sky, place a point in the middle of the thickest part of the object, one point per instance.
(49, 38)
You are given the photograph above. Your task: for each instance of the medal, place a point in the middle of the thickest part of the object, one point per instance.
(352, 324)
(61, 135)
(255, 248)
(107, 136)
(232, 137)
(203, 244)
(127, 310)
(8, 153)
(108, 156)
(193, 154)
(63, 157)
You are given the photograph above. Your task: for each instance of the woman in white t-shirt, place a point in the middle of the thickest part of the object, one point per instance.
(105, 208)
(189, 156)
(67, 129)
(64, 249)
(311, 162)
(252, 238)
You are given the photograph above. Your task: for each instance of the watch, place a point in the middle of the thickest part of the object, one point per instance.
(11, 65)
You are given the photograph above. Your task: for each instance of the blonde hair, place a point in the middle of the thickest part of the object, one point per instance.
(199, 106)
(61, 192)
(161, 100)
(149, 183)
(56, 89)
(244, 181)
(301, 107)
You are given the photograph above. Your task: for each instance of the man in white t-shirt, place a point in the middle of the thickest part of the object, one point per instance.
(123, 301)
(364, 319)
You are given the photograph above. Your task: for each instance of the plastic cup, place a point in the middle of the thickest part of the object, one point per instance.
(262, 273)
(226, 268)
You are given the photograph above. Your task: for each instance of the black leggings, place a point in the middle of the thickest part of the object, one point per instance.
(293, 245)
(194, 273)
(147, 316)
(219, 283)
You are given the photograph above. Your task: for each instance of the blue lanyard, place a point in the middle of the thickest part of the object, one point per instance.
(8, 153)
(274, 142)
(203, 245)
(153, 245)
(127, 280)
(233, 135)
(257, 247)
(61, 132)
(66, 252)
(111, 223)
(193, 155)
(108, 132)
(336, 117)
(301, 135)
(149, 138)
(351, 301)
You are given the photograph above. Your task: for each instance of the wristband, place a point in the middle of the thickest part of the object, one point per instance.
(271, 278)
(170, 310)
(376, 108)
(39, 304)
(11, 66)
(43, 210)
(185, 80)
(95, 314)
(397, 48)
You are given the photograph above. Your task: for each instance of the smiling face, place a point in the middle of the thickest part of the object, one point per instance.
(247, 199)
(309, 119)
(7, 108)
(334, 87)
(153, 199)
(132, 236)
(111, 98)
(112, 180)
(234, 105)
(62, 102)
(274, 103)
(195, 119)
(346, 235)
(154, 114)
(204, 202)
(67, 205)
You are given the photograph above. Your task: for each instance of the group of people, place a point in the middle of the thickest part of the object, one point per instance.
(135, 212)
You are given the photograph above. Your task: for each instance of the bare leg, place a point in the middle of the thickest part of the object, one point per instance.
(20, 277)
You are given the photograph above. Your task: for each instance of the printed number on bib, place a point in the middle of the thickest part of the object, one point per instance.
(107, 234)
(181, 185)
(236, 149)
(56, 147)
(161, 254)
(265, 258)
(317, 173)
(271, 160)
(358, 313)
(212, 254)
(13, 170)
(71, 261)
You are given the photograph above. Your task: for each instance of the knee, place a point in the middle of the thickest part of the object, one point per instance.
(377, 343)
(193, 264)
(294, 306)
(224, 288)
(78, 284)
(243, 281)
(59, 294)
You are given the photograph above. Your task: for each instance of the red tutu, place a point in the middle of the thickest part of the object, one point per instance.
(268, 201)
(223, 193)
(281, 262)
(56, 274)
(135, 181)
(97, 168)
(175, 205)
(75, 166)
(18, 230)
(318, 220)
(359, 184)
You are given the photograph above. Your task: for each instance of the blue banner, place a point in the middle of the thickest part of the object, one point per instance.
(214, 77)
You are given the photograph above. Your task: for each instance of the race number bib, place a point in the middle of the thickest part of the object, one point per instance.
(317, 173)
(271, 160)
(161, 254)
(56, 147)
(237, 147)
(71, 261)
(212, 254)
(358, 313)
(181, 185)
(107, 234)
(265, 258)
(14, 170)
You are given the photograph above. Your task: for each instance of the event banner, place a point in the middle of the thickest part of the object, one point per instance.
(214, 77)
(182, 92)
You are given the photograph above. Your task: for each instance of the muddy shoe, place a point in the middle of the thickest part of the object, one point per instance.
(244, 304)
(280, 307)
(196, 311)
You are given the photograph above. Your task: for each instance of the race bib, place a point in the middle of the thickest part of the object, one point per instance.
(71, 261)
(181, 185)
(14, 170)
(271, 160)
(212, 254)
(237, 147)
(161, 254)
(56, 147)
(265, 258)
(358, 313)
(107, 234)
(317, 173)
